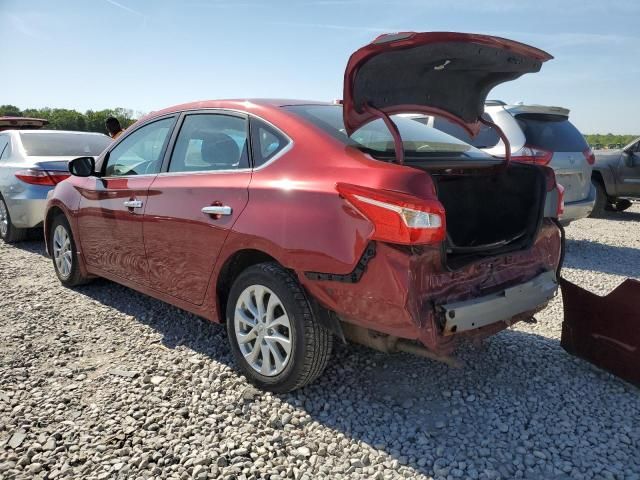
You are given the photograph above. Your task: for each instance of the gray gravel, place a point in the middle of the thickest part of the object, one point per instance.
(102, 382)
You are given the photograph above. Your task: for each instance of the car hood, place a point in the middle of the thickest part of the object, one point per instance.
(443, 73)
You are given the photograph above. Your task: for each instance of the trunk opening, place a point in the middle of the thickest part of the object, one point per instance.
(490, 211)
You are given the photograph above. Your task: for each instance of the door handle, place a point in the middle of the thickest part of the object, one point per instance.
(217, 210)
(133, 203)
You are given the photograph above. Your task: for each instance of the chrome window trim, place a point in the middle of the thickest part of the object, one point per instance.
(204, 172)
(129, 176)
(285, 149)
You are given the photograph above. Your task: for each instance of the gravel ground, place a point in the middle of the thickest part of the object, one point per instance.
(102, 382)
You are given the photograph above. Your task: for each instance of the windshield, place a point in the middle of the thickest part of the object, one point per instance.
(419, 140)
(43, 144)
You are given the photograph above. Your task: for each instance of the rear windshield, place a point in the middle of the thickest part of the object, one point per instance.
(43, 144)
(487, 137)
(419, 140)
(551, 132)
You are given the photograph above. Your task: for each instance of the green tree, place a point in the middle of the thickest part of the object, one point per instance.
(10, 111)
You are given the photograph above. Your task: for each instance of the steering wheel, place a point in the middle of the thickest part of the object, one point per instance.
(424, 147)
(150, 167)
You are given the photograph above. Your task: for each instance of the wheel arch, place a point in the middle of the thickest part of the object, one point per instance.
(51, 214)
(233, 266)
(606, 180)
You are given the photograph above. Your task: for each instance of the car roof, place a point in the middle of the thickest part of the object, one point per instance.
(244, 104)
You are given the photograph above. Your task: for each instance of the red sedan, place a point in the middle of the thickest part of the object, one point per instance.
(297, 223)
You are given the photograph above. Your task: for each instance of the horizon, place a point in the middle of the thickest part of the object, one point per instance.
(170, 52)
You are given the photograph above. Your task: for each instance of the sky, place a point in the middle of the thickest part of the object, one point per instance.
(149, 54)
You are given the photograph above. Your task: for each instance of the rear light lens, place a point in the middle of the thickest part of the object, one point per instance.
(590, 156)
(34, 176)
(398, 217)
(529, 154)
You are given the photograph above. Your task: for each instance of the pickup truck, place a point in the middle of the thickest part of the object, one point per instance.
(616, 177)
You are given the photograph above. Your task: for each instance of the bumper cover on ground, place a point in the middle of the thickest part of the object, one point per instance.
(605, 330)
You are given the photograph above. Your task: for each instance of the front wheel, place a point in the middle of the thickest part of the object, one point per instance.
(64, 253)
(277, 343)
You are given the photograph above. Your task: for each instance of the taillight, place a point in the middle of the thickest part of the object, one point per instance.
(398, 217)
(529, 154)
(590, 156)
(35, 176)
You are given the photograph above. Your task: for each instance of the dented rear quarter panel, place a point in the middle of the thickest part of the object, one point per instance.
(400, 290)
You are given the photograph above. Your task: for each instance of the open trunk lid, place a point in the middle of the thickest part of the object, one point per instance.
(442, 73)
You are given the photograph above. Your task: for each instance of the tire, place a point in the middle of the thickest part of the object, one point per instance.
(8, 232)
(601, 205)
(64, 253)
(309, 343)
(622, 205)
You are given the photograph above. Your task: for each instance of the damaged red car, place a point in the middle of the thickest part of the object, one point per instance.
(300, 223)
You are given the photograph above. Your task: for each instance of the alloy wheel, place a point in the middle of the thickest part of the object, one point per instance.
(4, 219)
(62, 253)
(263, 330)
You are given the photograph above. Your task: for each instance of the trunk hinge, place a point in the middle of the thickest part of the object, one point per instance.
(503, 137)
(393, 128)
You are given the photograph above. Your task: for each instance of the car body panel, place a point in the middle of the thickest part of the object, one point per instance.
(295, 216)
(445, 73)
(26, 202)
(21, 123)
(111, 233)
(620, 178)
(400, 291)
(604, 330)
(182, 242)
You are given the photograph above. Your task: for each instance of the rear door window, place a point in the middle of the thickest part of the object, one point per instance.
(210, 142)
(551, 132)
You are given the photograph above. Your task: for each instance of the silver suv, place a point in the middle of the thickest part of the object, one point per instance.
(537, 134)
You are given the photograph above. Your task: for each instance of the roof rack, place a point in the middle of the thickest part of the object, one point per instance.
(494, 102)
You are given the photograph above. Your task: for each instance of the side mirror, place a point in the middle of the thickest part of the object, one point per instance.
(82, 166)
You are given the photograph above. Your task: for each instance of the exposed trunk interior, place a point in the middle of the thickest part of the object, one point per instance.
(490, 211)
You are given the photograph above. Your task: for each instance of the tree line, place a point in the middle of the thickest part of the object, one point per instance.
(65, 119)
(609, 139)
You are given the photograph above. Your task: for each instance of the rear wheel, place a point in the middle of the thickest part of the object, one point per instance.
(622, 205)
(274, 337)
(64, 253)
(602, 204)
(8, 232)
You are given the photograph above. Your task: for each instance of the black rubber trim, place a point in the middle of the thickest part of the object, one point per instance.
(352, 277)
(563, 241)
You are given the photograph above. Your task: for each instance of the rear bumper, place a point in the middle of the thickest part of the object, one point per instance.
(402, 292)
(27, 206)
(580, 209)
(500, 306)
